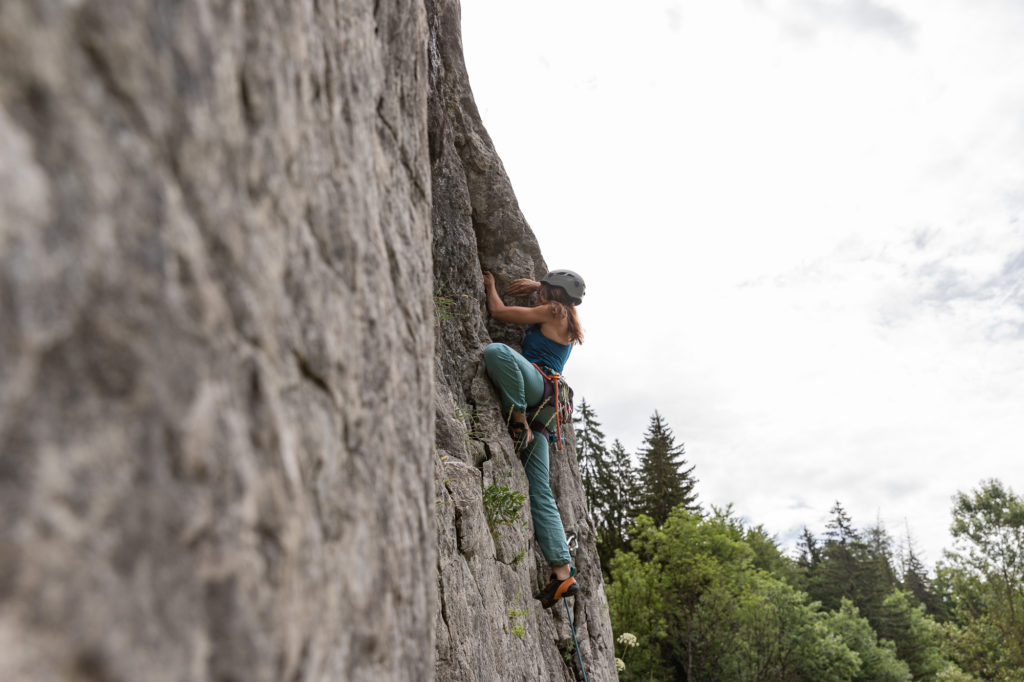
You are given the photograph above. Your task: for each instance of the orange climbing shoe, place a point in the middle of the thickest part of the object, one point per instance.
(556, 589)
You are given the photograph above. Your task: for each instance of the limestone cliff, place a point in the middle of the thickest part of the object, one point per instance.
(229, 233)
(488, 625)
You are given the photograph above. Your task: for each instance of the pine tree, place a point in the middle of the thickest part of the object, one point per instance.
(620, 492)
(854, 565)
(915, 580)
(810, 552)
(807, 562)
(665, 481)
(837, 573)
(876, 577)
(592, 455)
(840, 528)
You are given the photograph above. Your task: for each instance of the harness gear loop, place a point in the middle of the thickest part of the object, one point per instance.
(561, 410)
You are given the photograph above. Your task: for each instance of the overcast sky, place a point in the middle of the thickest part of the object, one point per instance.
(801, 227)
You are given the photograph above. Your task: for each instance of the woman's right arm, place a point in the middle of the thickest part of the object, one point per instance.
(511, 313)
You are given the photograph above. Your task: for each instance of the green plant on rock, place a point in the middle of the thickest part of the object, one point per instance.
(515, 617)
(568, 654)
(502, 506)
(445, 306)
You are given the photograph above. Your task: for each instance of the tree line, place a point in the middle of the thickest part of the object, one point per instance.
(698, 594)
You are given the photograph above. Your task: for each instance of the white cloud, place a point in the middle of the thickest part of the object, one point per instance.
(808, 18)
(805, 253)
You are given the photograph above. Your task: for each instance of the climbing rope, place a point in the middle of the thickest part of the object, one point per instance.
(574, 640)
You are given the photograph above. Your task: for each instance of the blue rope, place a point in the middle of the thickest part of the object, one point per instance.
(575, 643)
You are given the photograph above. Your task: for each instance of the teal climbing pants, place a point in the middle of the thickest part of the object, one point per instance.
(519, 385)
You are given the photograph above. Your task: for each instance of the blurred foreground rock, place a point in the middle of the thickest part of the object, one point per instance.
(229, 235)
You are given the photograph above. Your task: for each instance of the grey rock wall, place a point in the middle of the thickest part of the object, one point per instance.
(488, 625)
(240, 255)
(216, 341)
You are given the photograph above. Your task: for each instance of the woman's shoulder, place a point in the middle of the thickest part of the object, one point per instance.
(555, 331)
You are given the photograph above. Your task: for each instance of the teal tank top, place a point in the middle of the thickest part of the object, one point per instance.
(542, 350)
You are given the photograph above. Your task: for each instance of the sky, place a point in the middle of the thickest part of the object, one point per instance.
(801, 224)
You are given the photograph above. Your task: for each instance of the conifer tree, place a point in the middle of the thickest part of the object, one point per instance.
(876, 577)
(807, 562)
(592, 455)
(665, 480)
(837, 573)
(915, 580)
(853, 565)
(620, 492)
(810, 552)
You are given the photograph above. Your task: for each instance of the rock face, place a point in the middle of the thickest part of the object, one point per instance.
(216, 344)
(488, 625)
(240, 253)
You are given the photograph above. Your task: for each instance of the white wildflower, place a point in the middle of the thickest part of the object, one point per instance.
(620, 665)
(627, 639)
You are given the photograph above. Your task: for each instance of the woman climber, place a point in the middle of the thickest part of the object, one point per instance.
(553, 330)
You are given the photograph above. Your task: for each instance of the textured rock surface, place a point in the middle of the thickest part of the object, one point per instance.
(221, 226)
(216, 341)
(488, 625)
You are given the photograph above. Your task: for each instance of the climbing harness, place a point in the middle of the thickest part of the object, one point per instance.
(575, 642)
(557, 395)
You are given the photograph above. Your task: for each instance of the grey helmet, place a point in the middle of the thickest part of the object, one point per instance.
(568, 280)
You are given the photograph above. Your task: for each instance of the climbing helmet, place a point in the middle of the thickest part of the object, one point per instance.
(568, 280)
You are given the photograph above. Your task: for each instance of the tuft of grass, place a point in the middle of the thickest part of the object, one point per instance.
(468, 416)
(446, 306)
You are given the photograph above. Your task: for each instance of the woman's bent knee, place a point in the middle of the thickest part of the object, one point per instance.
(498, 359)
(494, 351)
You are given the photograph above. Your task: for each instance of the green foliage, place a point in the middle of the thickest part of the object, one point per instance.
(849, 564)
(565, 648)
(977, 647)
(609, 481)
(983, 579)
(636, 606)
(767, 555)
(711, 599)
(916, 636)
(691, 592)
(857, 568)
(915, 581)
(502, 506)
(878, 660)
(620, 490)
